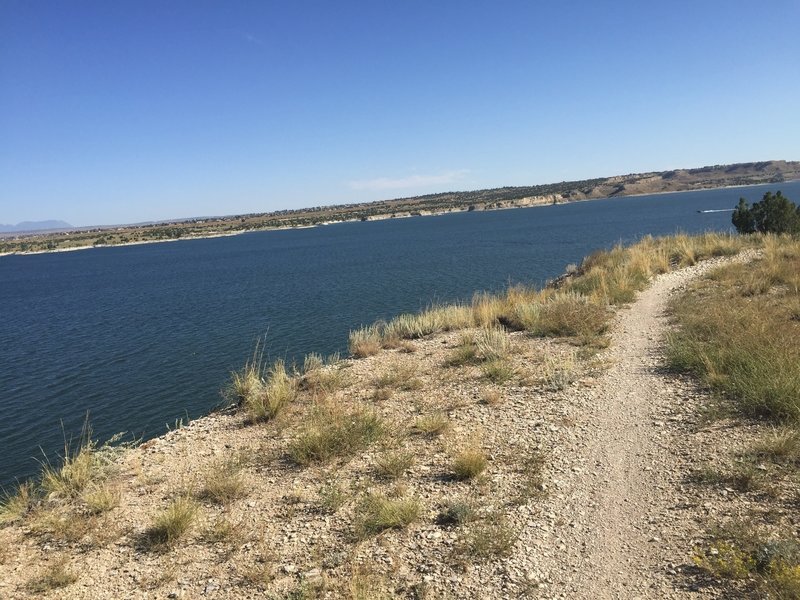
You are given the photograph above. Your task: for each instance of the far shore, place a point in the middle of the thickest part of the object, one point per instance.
(379, 217)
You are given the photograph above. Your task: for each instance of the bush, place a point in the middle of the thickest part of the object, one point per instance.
(774, 214)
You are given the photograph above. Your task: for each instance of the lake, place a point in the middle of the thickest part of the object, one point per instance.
(141, 336)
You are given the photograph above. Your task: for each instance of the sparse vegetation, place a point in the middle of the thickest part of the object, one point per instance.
(722, 333)
(559, 371)
(222, 531)
(69, 479)
(101, 497)
(466, 352)
(322, 376)
(491, 397)
(332, 497)
(498, 371)
(322, 426)
(400, 376)
(367, 585)
(53, 577)
(263, 395)
(740, 551)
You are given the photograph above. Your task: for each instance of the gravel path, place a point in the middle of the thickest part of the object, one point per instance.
(624, 529)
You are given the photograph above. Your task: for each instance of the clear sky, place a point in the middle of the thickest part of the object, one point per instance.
(135, 110)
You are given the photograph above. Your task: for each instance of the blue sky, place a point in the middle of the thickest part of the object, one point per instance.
(126, 111)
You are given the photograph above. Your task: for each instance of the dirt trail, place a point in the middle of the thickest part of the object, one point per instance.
(622, 528)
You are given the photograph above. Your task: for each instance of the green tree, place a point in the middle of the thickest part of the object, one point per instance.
(774, 214)
(743, 218)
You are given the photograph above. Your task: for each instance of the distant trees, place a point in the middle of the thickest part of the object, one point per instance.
(774, 214)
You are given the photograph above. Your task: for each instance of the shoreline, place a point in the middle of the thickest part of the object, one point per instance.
(381, 217)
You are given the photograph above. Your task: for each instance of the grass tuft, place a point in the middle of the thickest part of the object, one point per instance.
(365, 341)
(400, 376)
(469, 463)
(488, 539)
(432, 425)
(15, 505)
(173, 523)
(262, 395)
(223, 482)
(458, 512)
(377, 513)
(101, 497)
(394, 465)
(498, 371)
(333, 433)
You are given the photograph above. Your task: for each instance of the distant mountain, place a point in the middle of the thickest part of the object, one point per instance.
(35, 226)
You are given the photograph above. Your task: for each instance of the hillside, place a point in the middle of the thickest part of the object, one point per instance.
(774, 171)
(530, 444)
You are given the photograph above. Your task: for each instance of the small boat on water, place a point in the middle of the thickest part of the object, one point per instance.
(715, 210)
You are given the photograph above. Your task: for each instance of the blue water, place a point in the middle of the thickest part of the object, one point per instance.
(140, 336)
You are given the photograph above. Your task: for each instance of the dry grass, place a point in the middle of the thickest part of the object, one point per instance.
(394, 465)
(466, 352)
(77, 470)
(781, 445)
(559, 371)
(335, 433)
(432, 425)
(491, 397)
(487, 539)
(377, 513)
(55, 576)
(99, 498)
(262, 395)
(400, 376)
(492, 344)
(173, 523)
(16, 504)
(498, 371)
(459, 512)
(366, 585)
(332, 497)
(224, 482)
(223, 531)
(469, 463)
(322, 376)
(365, 341)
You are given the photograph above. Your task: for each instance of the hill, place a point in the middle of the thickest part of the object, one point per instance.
(35, 226)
